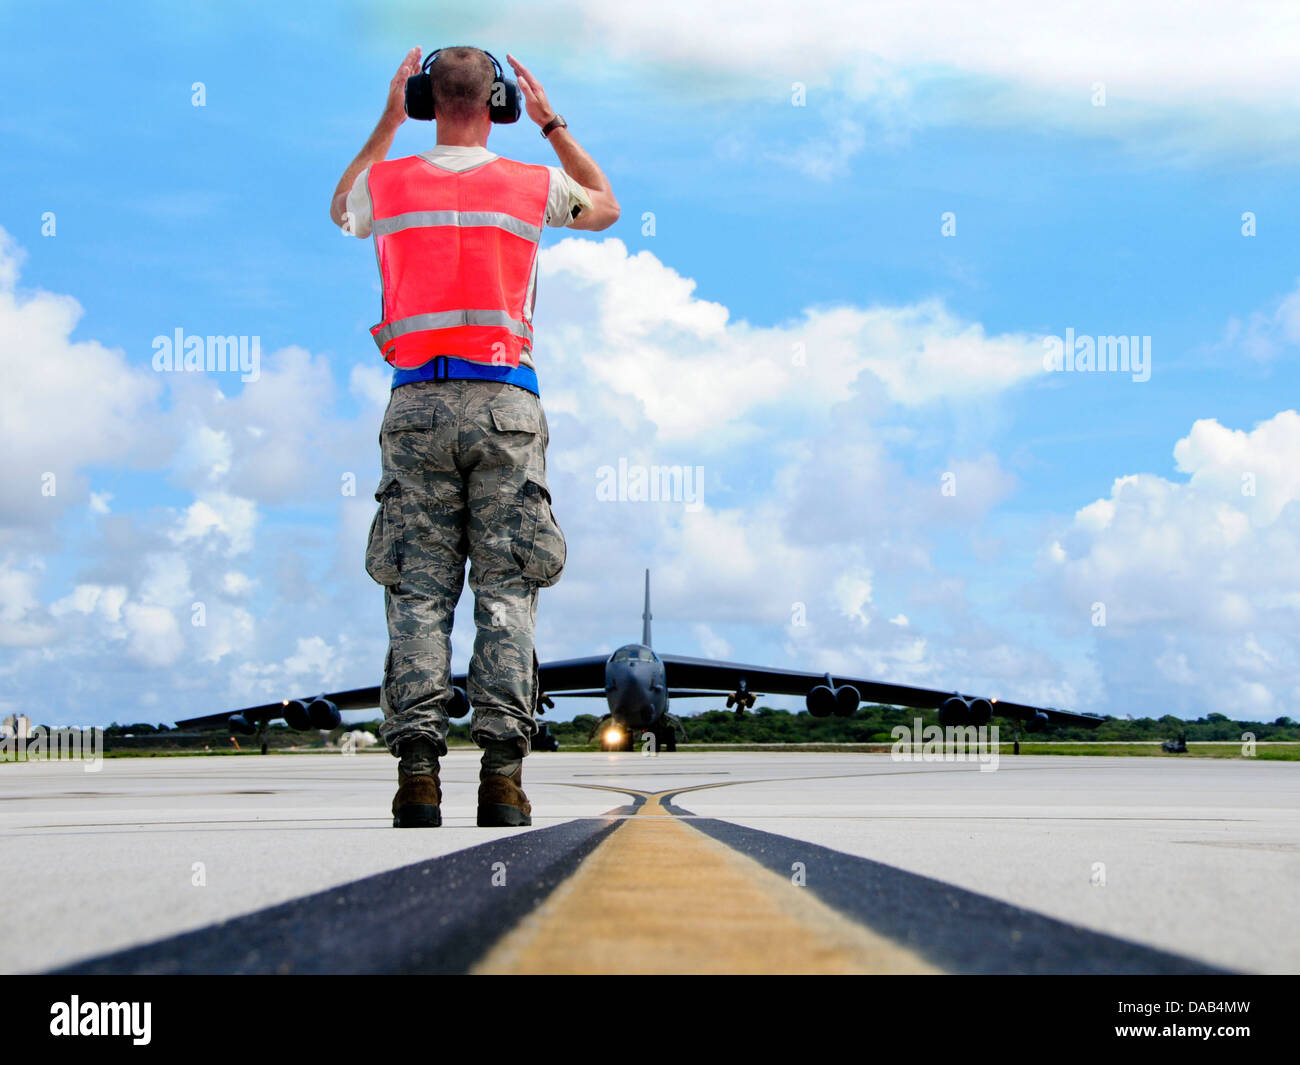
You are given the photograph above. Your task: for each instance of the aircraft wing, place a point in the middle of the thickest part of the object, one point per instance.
(572, 675)
(575, 676)
(687, 678)
(255, 714)
(694, 676)
(355, 699)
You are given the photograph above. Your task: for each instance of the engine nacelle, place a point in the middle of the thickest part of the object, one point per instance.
(239, 723)
(981, 712)
(821, 701)
(1038, 722)
(323, 714)
(296, 715)
(954, 711)
(846, 700)
(458, 706)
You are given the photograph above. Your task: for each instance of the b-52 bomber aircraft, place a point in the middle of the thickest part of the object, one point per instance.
(637, 683)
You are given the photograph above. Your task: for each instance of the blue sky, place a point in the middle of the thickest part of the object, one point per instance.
(775, 225)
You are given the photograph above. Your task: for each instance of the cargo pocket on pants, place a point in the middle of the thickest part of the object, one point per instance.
(540, 550)
(385, 530)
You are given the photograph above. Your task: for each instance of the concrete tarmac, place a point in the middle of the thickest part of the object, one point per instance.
(1047, 864)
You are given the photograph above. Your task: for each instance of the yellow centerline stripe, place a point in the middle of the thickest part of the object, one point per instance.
(658, 896)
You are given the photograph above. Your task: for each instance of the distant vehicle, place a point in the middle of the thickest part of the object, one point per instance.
(636, 683)
(1176, 746)
(544, 741)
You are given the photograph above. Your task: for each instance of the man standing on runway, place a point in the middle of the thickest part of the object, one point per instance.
(463, 442)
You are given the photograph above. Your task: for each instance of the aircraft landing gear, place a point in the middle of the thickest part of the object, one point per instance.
(614, 737)
(261, 735)
(666, 738)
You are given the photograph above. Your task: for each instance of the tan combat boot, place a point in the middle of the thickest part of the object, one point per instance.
(501, 800)
(418, 801)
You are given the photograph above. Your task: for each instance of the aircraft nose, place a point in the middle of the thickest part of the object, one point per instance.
(631, 692)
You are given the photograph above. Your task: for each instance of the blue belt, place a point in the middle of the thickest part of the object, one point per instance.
(450, 368)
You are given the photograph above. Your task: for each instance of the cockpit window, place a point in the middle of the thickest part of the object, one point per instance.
(634, 654)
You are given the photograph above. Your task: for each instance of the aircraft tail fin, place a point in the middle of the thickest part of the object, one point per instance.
(645, 616)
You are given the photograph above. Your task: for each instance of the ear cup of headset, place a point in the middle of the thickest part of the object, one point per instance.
(419, 97)
(503, 101)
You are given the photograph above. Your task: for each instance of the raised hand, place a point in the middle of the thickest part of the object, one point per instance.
(535, 102)
(395, 109)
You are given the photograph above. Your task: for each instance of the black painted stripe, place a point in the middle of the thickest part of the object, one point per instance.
(958, 930)
(438, 916)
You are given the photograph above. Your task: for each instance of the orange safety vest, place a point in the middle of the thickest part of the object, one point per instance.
(456, 255)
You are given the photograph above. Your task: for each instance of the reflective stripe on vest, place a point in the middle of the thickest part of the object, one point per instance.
(456, 253)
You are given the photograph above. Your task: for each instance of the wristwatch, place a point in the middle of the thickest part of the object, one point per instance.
(556, 123)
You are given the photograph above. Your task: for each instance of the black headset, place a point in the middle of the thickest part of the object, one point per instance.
(502, 101)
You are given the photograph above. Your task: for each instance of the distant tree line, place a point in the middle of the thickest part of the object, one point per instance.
(870, 724)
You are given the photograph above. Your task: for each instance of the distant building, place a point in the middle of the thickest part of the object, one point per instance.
(16, 725)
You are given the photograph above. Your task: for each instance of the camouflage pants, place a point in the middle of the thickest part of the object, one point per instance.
(464, 478)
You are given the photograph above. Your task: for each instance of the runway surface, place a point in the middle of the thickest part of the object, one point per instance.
(686, 862)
